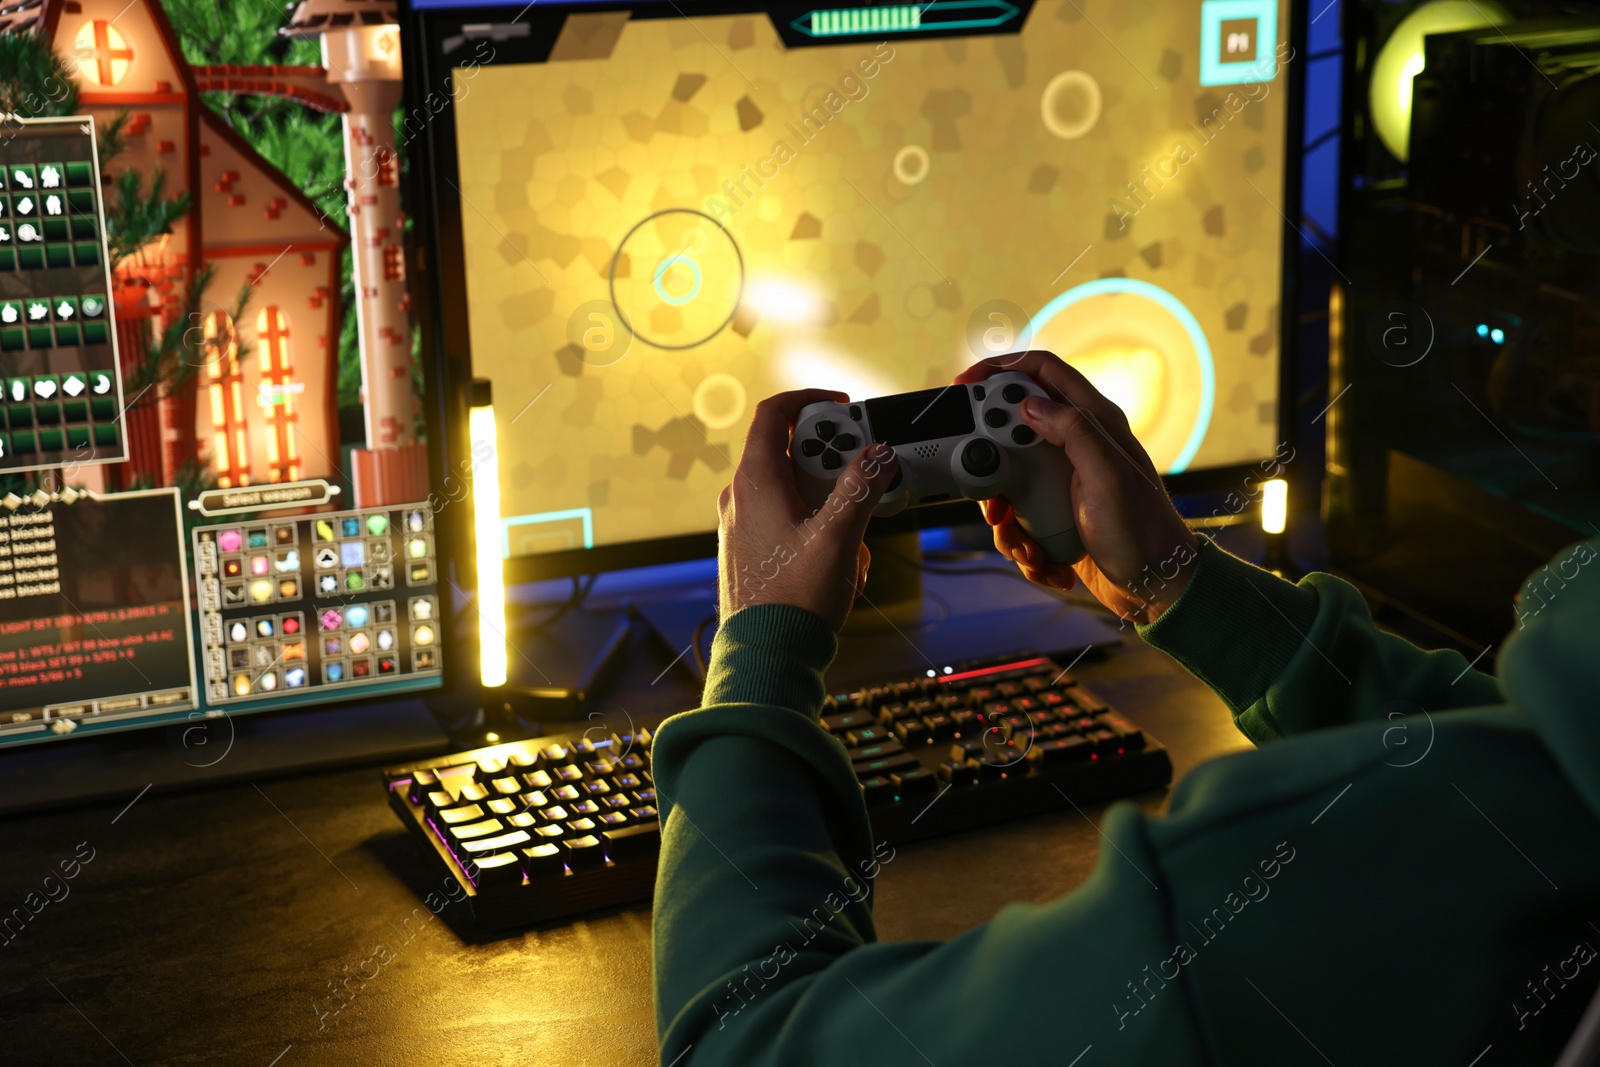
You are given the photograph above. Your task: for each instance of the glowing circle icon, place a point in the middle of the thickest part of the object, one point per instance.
(676, 279)
(678, 265)
(1144, 350)
(1070, 104)
(911, 164)
(720, 400)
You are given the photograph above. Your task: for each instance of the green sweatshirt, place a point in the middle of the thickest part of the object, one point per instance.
(1407, 871)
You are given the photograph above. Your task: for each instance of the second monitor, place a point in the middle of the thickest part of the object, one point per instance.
(682, 215)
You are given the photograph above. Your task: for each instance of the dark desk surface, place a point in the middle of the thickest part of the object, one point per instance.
(210, 925)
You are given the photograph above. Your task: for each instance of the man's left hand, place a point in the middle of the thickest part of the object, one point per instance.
(771, 548)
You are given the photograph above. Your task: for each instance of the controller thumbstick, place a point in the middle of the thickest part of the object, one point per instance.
(981, 457)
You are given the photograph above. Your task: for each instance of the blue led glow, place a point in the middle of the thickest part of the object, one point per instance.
(666, 265)
(1186, 319)
(1497, 335)
(1483, 329)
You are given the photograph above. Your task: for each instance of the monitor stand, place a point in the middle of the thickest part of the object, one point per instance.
(893, 596)
(912, 619)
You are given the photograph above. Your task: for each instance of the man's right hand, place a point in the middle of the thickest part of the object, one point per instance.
(1140, 552)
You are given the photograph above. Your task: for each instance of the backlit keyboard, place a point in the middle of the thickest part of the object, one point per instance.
(558, 825)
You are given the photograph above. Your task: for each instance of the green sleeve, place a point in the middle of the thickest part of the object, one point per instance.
(764, 946)
(1290, 658)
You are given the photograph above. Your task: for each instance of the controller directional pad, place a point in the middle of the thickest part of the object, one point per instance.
(830, 444)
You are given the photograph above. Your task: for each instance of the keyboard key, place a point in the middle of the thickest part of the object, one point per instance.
(846, 720)
(506, 786)
(612, 819)
(911, 732)
(627, 781)
(463, 813)
(877, 789)
(1059, 751)
(633, 842)
(940, 726)
(962, 751)
(423, 782)
(498, 872)
(584, 807)
(502, 805)
(913, 783)
(966, 722)
(644, 812)
(865, 735)
(554, 813)
(631, 762)
(496, 844)
(570, 773)
(538, 780)
(581, 826)
(645, 796)
(439, 798)
(522, 820)
(535, 799)
(595, 789)
(564, 793)
(542, 861)
(473, 792)
(889, 714)
(871, 752)
(584, 853)
(888, 765)
(1088, 701)
(963, 773)
(616, 801)
(469, 830)
(523, 760)
(557, 754)
(550, 832)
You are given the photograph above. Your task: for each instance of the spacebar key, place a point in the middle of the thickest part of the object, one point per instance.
(888, 765)
(496, 844)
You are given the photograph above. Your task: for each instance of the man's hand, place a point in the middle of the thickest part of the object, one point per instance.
(1140, 552)
(771, 549)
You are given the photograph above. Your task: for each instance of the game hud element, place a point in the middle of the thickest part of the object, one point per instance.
(681, 216)
(327, 601)
(62, 391)
(94, 617)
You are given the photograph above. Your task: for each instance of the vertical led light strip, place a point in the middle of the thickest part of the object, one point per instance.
(486, 536)
(1274, 506)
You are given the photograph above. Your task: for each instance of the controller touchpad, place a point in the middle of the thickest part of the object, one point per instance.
(925, 415)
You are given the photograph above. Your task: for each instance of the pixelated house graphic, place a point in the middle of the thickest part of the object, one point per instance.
(262, 407)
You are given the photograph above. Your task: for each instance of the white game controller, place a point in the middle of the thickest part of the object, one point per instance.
(959, 442)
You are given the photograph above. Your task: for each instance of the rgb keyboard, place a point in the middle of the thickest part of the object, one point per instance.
(558, 825)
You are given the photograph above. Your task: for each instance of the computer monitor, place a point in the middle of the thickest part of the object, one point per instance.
(180, 535)
(647, 216)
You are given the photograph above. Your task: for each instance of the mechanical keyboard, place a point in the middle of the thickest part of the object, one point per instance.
(558, 825)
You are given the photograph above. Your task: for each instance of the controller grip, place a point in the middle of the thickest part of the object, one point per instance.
(1044, 504)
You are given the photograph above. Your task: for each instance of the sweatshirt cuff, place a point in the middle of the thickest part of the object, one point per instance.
(770, 654)
(1236, 626)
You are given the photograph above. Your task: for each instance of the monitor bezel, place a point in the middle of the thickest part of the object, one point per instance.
(445, 331)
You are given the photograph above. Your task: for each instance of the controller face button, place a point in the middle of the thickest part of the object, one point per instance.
(831, 460)
(1013, 393)
(810, 447)
(981, 457)
(894, 483)
(996, 417)
(1023, 435)
(826, 429)
(855, 412)
(845, 442)
(977, 392)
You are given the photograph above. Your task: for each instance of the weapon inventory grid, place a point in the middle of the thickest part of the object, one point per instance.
(60, 388)
(317, 601)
